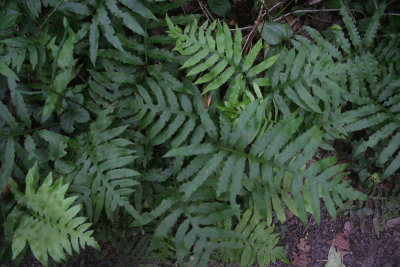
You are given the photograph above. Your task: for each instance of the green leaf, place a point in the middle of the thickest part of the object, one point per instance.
(128, 20)
(139, 8)
(107, 28)
(65, 57)
(34, 7)
(220, 7)
(94, 39)
(19, 103)
(7, 164)
(6, 71)
(8, 117)
(274, 33)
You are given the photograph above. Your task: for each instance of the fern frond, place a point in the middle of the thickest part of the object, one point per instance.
(276, 161)
(101, 19)
(46, 220)
(373, 25)
(221, 56)
(258, 243)
(176, 108)
(382, 118)
(196, 236)
(308, 77)
(106, 156)
(351, 27)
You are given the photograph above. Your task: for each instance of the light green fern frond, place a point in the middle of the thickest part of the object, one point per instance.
(46, 221)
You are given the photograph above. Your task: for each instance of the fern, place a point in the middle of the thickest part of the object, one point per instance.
(260, 243)
(196, 236)
(104, 171)
(275, 168)
(46, 221)
(102, 20)
(222, 58)
(176, 108)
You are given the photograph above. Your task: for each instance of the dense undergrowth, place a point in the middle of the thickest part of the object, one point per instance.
(162, 132)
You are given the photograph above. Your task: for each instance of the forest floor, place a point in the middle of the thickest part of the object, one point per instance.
(304, 245)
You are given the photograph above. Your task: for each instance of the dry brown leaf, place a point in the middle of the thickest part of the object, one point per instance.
(341, 241)
(207, 101)
(303, 246)
(300, 260)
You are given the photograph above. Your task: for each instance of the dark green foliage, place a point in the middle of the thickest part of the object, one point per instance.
(181, 169)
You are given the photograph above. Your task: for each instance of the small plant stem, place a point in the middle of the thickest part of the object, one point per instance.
(314, 10)
(52, 12)
(206, 12)
(283, 9)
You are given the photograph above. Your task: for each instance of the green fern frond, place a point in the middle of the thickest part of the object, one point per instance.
(351, 27)
(184, 115)
(373, 26)
(259, 241)
(221, 57)
(276, 175)
(308, 77)
(46, 221)
(381, 117)
(105, 157)
(102, 20)
(196, 237)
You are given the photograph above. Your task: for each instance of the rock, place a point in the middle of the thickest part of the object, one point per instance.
(393, 222)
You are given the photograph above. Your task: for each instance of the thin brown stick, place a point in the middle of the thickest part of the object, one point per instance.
(251, 34)
(351, 14)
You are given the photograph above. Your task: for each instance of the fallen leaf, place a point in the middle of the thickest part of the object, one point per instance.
(347, 226)
(334, 258)
(303, 246)
(300, 260)
(341, 241)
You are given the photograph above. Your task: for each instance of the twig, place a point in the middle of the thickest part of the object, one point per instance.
(391, 14)
(348, 8)
(205, 11)
(244, 28)
(259, 18)
(313, 10)
(376, 6)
